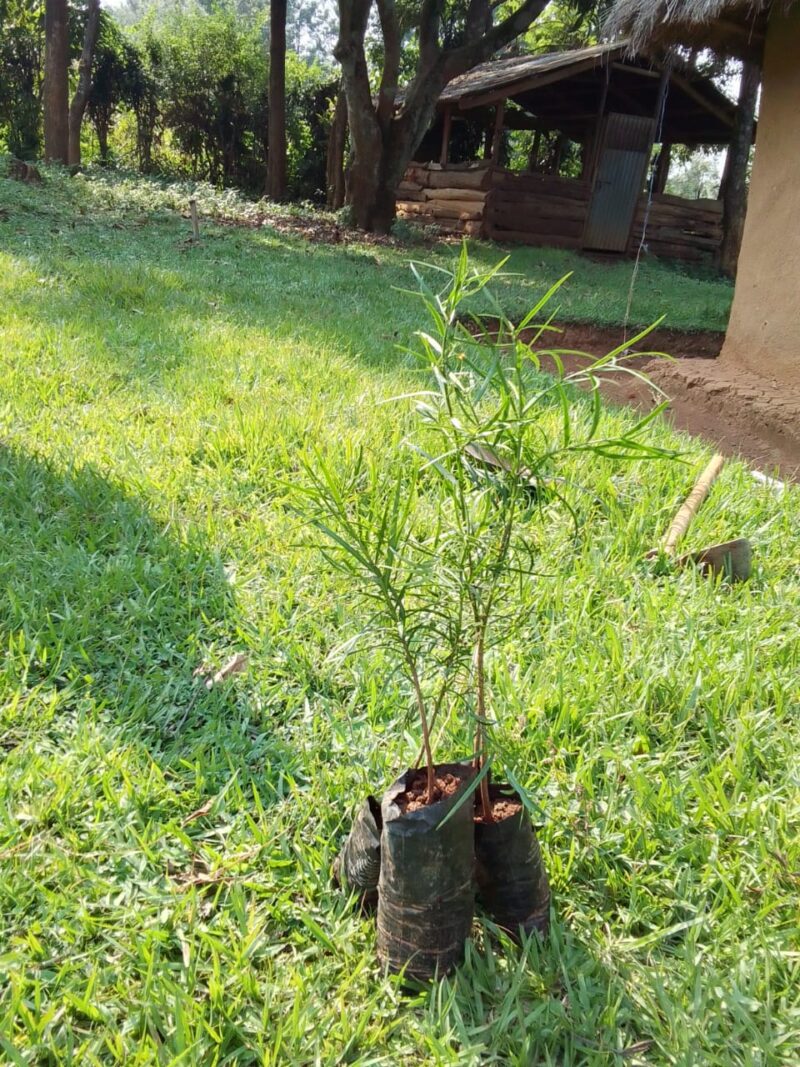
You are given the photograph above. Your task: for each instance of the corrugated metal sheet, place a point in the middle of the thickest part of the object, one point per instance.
(627, 140)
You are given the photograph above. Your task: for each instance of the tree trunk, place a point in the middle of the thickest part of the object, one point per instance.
(276, 160)
(56, 87)
(101, 129)
(383, 137)
(735, 182)
(81, 96)
(662, 168)
(336, 142)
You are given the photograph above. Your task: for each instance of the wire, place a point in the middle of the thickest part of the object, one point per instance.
(650, 194)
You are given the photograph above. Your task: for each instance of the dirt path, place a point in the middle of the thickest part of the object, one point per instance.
(740, 414)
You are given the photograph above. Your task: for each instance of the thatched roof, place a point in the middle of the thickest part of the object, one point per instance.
(730, 27)
(502, 78)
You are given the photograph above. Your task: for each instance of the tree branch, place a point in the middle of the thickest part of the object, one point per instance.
(430, 19)
(469, 55)
(392, 41)
(349, 50)
(82, 90)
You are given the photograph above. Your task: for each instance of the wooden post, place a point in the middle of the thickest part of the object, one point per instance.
(447, 126)
(663, 86)
(662, 168)
(597, 138)
(195, 222)
(558, 153)
(497, 135)
(533, 157)
(588, 154)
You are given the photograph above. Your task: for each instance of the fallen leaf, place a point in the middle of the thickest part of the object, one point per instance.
(236, 665)
(199, 813)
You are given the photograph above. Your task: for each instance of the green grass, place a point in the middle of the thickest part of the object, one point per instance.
(165, 850)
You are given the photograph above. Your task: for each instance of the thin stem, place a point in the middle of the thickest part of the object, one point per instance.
(423, 718)
(480, 732)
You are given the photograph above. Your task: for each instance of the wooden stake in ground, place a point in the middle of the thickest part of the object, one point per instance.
(195, 220)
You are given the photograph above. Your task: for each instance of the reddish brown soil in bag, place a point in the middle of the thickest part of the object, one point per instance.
(502, 809)
(416, 795)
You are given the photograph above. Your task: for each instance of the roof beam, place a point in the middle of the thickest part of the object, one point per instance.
(637, 70)
(727, 117)
(536, 81)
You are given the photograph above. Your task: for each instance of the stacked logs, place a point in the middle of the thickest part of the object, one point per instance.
(480, 200)
(678, 228)
(537, 209)
(452, 198)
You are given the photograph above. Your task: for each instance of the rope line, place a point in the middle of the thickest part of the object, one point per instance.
(650, 194)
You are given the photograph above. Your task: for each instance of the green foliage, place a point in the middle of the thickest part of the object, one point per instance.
(213, 98)
(121, 77)
(439, 542)
(406, 232)
(695, 174)
(182, 92)
(21, 58)
(203, 105)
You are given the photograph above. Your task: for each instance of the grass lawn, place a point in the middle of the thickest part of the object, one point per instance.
(165, 850)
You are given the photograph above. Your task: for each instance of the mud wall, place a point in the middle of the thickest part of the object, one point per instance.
(764, 330)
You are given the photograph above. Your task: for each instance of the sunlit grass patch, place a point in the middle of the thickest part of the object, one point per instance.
(165, 850)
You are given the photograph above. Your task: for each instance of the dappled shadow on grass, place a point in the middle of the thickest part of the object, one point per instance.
(154, 303)
(106, 612)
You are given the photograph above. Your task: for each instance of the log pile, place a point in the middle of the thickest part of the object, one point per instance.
(451, 198)
(480, 200)
(679, 228)
(537, 209)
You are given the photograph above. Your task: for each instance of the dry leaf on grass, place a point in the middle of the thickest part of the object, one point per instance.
(235, 665)
(199, 813)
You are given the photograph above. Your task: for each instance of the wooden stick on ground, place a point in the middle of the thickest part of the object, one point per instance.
(690, 506)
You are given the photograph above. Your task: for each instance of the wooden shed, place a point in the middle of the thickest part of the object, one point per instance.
(615, 106)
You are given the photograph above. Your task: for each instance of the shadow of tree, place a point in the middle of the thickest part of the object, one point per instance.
(105, 611)
(144, 304)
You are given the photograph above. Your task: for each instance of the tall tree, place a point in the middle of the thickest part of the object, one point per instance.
(276, 159)
(80, 97)
(384, 137)
(734, 192)
(56, 86)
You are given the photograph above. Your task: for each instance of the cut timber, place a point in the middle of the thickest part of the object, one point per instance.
(673, 211)
(668, 233)
(564, 187)
(534, 178)
(523, 222)
(545, 239)
(446, 209)
(542, 206)
(673, 251)
(449, 179)
(682, 202)
(470, 227)
(409, 187)
(477, 195)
